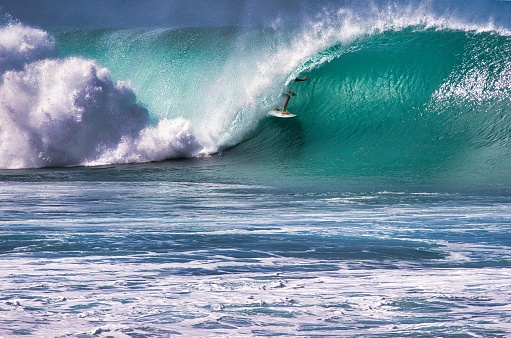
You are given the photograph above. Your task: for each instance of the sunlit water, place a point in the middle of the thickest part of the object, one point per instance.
(86, 255)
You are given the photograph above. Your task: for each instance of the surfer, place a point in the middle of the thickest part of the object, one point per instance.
(286, 101)
(288, 97)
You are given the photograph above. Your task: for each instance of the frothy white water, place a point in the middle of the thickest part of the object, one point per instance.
(64, 112)
(171, 258)
(20, 45)
(170, 138)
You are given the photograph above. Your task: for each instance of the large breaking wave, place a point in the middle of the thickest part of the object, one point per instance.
(398, 92)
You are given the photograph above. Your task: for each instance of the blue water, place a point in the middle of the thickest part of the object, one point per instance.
(145, 193)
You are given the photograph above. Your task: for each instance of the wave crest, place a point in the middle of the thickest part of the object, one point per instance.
(20, 45)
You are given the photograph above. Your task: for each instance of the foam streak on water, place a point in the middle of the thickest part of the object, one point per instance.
(229, 259)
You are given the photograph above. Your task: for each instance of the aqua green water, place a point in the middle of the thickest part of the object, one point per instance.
(420, 103)
(171, 204)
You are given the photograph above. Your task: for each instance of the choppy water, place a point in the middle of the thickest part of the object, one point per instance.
(84, 252)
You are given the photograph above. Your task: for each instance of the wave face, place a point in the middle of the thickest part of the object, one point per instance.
(411, 96)
(421, 102)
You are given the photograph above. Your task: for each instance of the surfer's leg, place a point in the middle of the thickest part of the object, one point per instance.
(286, 101)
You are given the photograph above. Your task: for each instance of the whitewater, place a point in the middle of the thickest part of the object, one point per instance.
(144, 191)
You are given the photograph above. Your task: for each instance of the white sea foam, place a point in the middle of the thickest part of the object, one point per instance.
(20, 45)
(75, 296)
(168, 139)
(64, 112)
(164, 258)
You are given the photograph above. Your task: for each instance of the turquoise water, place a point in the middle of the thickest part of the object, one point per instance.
(176, 249)
(145, 193)
(426, 104)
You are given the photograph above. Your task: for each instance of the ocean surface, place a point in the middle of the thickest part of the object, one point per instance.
(144, 191)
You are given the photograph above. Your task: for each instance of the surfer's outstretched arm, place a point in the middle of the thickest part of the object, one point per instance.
(302, 79)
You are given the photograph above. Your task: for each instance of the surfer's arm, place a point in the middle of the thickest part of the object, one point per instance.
(302, 79)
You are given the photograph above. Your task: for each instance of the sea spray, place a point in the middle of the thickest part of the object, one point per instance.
(20, 45)
(65, 112)
(168, 139)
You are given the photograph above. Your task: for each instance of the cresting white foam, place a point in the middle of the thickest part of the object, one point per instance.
(345, 25)
(65, 112)
(168, 139)
(20, 45)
